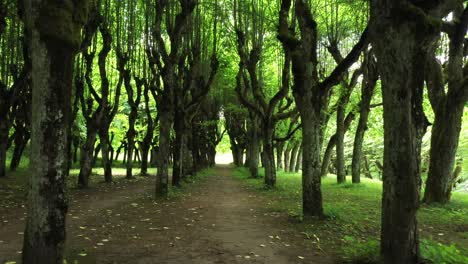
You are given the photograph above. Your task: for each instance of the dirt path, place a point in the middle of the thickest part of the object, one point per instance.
(218, 221)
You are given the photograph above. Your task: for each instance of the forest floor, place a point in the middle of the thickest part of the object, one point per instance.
(216, 219)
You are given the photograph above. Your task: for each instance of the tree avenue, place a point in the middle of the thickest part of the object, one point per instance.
(352, 98)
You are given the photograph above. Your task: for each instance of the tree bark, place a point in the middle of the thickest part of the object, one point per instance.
(367, 90)
(340, 133)
(287, 156)
(299, 160)
(254, 148)
(294, 153)
(279, 155)
(3, 157)
(86, 158)
(444, 144)
(106, 164)
(53, 41)
(269, 156)
(448, 108)
(146, 144)
(401, 61)
(180, 148)
(21, 140)
(162, 177)
(311, 174)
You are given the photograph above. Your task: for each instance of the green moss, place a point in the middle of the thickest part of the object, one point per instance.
(63, 21)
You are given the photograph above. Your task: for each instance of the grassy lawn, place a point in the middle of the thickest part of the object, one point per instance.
(352, 227)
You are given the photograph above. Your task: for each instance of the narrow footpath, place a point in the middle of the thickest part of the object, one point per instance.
(216, 221)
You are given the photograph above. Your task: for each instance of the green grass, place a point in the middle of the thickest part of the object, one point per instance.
(352, 226)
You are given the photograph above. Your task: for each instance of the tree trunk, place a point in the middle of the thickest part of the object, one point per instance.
(3, 151)
(401, 61)
(106, 164)
(299, 160)
(131, 146)
(179, 148)
(444, 145)
(269, 158)
(327, 156)
(294, 152)
(287, 156)
(311, 174)
(340, 133)
(53, 41)
(279, 155)
(21, 140)
(254, 149)
(367, 90)
(86, 159)
(238, 155)
(162, 177)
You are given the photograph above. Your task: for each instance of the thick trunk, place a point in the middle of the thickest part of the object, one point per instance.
(162, 177)
(179, 149)
(238, 155)
(444, 145)
(53, 40)
(279, 155)
(401, 60)
(269, 158)
(154, 153)
(106, 164)
(311, 174)
(86, 159)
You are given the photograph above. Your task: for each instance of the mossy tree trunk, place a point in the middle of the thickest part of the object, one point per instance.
(402, 35)
(53, 42)
(448, 109)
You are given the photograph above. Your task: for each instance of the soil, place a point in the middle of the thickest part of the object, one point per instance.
(218, 220)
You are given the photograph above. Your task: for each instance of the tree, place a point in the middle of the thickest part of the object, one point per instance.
(52, 51)
(369, 81)
(14, 81)
(158, 48)
(402, 34)
(311, 94)
(250, 33)
(448, 108)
